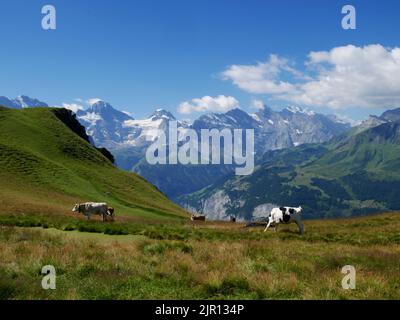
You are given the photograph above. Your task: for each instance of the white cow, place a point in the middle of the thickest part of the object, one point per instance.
(89, 208)
(285, 215)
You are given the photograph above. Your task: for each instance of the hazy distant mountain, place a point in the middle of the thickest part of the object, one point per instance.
(391, 115)
(21, 102)
(233, 119)
(294, 126)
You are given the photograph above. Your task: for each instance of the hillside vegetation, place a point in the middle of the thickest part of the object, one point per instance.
(201, 260)
(46, 168)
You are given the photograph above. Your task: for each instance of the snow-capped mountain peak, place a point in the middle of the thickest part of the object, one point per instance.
(106, 111)
(162, 114)
(101, 107)
(233, 119)
(295, 109)
(27, 102)
(104, 123)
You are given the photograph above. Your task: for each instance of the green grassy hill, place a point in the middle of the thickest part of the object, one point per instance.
(46, 168)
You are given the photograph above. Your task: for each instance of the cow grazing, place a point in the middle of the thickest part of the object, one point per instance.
(110, 212)
(198, 218)
(91, 208)
(285, 215)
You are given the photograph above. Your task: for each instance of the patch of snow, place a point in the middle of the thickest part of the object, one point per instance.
(150, 129)
(146, 123)
(255, 117)
(300, 110)
(91, 117)
(233, 119)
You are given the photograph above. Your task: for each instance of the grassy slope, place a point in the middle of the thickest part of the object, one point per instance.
(206, 261)
(367, 151)
(46, 168)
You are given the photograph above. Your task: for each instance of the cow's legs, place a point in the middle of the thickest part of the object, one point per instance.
(269, 223)
(300, 225)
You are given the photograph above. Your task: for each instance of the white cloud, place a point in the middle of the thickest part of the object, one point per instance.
(262, 77)
(220, 103)
(93, 101)
(74, 107)
(257, 104)
(347, 76)
(353, 76)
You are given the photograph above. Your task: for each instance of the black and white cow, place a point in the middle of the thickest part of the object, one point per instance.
(92, 208)
(285, 215)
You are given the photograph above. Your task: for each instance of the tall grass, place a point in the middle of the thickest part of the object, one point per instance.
(207, 261)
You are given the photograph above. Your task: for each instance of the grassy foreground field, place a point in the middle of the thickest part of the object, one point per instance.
(181, 260)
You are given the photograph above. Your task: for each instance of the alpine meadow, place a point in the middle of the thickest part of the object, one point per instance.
(153, 251)
(188, 157)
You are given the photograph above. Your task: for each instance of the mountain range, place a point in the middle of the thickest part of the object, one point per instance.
(274, 129)
(21, 102)
(354, 173)
(302, 157)
(128, 138)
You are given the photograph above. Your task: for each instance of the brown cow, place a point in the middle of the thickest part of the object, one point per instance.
(198, 218)
(110, 212)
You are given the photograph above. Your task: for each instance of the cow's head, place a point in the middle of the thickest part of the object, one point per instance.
(75, 208)
(110, 212)
(299, 209)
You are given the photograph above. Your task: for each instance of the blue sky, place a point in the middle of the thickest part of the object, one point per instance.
(141, 55)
